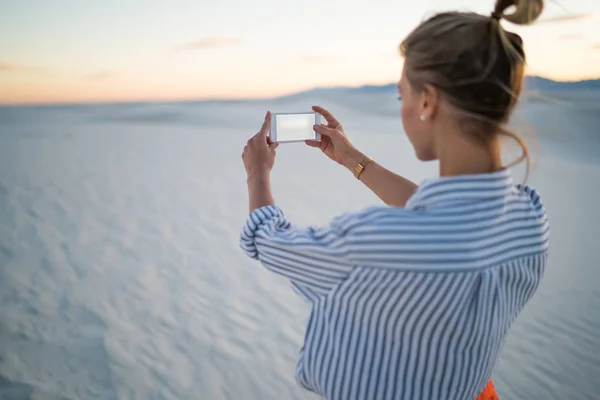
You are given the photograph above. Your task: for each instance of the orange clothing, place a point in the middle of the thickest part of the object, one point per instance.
(489, 393)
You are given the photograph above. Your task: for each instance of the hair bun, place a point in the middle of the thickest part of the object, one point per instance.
(525, 13)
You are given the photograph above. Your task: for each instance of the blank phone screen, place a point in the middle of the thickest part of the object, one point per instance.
(295, 127)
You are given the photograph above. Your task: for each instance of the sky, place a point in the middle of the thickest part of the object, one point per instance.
(73, 51)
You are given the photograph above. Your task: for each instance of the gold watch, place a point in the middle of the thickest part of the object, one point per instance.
(360, 167)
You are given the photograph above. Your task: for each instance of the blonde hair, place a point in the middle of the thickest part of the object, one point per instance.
(476, 64)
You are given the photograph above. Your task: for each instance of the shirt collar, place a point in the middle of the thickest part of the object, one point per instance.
(461, 189)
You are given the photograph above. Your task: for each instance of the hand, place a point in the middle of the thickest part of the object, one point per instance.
(259, 152)
(334, 141)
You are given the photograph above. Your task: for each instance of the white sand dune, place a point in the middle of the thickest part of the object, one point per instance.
(121, 277)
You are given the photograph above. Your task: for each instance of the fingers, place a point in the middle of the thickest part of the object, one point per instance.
(273, 149)
(322, 144)
(266, 126)
(331, 121)
(325, 130)
(262, 136)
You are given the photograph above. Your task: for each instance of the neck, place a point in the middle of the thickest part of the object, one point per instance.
(460, 155)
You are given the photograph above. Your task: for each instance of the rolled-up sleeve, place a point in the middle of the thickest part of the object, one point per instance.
(315, 259)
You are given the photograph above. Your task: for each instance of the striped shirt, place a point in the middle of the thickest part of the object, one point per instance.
(414, 302)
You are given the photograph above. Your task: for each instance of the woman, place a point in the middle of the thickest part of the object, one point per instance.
(413, 300)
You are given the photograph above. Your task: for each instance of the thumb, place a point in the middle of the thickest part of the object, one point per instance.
(324, 130)
(266, 126)
(313, 143)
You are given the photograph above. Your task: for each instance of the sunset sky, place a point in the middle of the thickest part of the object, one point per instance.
(124, 50)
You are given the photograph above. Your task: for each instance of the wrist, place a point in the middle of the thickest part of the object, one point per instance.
(259, 178)
(352, 159)
(259, 191)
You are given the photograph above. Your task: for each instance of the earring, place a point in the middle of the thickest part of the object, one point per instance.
(422, 117)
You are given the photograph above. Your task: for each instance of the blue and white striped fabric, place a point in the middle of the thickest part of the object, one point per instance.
(410, 303)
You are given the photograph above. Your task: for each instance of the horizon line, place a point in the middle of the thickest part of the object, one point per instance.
(225, 98)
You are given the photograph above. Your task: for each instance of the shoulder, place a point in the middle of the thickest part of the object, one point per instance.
(398, 227)
(373, 216)
(462, 236)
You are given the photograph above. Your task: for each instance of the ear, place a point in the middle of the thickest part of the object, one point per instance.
(430, 99)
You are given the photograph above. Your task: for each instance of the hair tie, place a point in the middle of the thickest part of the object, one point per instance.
(497, 16)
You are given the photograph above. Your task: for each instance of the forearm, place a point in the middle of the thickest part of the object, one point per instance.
(391, 188)
(259, 192)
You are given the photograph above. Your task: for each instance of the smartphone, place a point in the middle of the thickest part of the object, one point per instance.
(294, 127)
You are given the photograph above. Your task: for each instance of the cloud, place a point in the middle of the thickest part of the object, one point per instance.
(10, 67)
(568, 18)
(100, 75)
(208, 43)
(315, 59)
